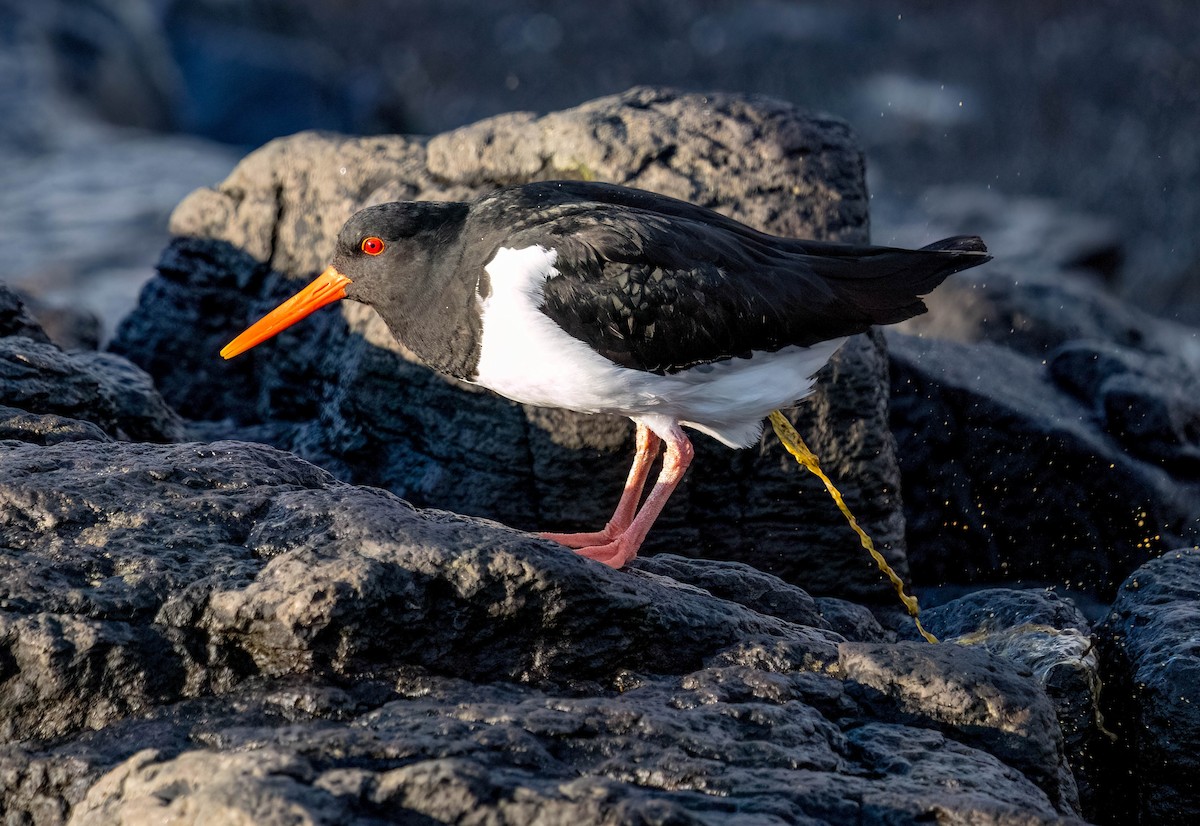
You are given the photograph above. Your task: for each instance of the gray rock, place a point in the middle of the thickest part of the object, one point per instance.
(1008, 476)
(46, 428)
(101, 389)
(970, 694)
(15, 319)
(223, 632)
(1047, 636)
(1150, 647)
(339, 391)
(1146, 401)
(1035, 311)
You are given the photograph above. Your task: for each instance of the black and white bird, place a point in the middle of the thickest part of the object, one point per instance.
(603, 299)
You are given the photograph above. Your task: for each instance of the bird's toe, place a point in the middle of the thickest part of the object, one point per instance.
(615, 554)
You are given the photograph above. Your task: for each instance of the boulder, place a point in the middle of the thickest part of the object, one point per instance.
(1008, 476)
(49, 395)
(1150, 648)
(1045, 635)
(339, 391)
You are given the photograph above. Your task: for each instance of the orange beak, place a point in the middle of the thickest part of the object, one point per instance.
(328, 287)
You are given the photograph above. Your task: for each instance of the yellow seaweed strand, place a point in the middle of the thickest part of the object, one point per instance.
(796, 446)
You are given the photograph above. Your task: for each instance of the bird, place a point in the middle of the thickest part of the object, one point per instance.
(600, 298)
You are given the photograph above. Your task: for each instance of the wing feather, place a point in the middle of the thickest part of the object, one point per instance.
(661, 285)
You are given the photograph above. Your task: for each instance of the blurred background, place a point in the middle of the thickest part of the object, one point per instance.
(1066, 133)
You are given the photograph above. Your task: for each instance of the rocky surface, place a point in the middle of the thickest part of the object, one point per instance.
(1086, 410)
(1150, 645)
(372, 417)
(224, 632)
(210, 630)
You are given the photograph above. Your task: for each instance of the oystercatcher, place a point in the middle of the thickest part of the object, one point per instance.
(603, 299)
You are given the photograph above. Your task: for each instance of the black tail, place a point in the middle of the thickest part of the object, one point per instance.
(886, 283)
(960, 243)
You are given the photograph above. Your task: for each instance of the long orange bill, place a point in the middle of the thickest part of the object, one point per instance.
(328, 287)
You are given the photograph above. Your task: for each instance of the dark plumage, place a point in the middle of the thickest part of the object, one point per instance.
(600, 298)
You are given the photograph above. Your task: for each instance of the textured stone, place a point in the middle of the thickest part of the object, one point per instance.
(1046, 635)
(980, 698)
(1150, 647)
(105, 389)
(225, 632)
(1007, 474)
(48, 396)
(15, 319)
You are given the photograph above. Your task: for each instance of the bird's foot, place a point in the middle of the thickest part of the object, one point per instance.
(583, 540)
(610, 546)
(616, 554)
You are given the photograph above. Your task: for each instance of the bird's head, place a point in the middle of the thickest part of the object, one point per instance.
(380, 251)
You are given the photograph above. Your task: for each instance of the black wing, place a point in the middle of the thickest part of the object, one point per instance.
(661, 285)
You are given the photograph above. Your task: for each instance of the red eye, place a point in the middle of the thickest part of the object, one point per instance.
(372, 245)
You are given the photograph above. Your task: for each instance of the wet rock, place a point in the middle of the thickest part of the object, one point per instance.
(15, 319)
(1045, 635)
(1150, 646)
(340, 392)
(968, 693)
(79, 393)
(1147, 401)
(1008, 475)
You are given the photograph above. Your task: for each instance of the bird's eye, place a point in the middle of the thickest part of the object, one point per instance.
(372, 245)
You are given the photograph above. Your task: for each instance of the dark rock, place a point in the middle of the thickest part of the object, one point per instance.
(993, 611)
(222, 632)
(46, 428)
(102, 389)
(1047, 636)
(1150, 646)
(969, 694)
(1035, 313)
(68, 327)
(15, 319)
(339, 391)
(1146, 401)
(1006, 476)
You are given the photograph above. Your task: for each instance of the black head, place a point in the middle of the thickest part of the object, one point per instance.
(392, 247)
(386, 256)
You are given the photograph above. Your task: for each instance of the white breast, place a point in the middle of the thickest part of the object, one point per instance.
(528, 358)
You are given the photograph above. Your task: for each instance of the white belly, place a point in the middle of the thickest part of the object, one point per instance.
(528, 358)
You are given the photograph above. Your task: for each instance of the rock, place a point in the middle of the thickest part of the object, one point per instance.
(1151, 654)
(1145, 401)
(15, 319)
(1006, 475)
(1047, 636)
(46, 428)
(970, 693)
(1035, 312)
(341, 393)
(226, 632)
(54, 396)
(48, 396)
(69, 327)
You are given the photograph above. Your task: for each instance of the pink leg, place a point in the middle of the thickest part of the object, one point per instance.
(647, 450)
(623, 548)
